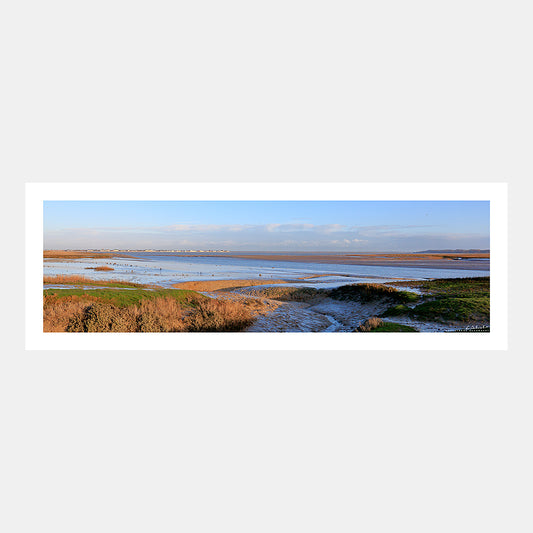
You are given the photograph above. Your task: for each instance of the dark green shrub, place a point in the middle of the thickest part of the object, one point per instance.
(393, 327)
(368, 292)
(396, 310)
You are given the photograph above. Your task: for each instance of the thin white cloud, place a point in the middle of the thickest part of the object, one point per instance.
(275, 236)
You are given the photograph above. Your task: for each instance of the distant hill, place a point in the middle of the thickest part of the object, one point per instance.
(472, 251)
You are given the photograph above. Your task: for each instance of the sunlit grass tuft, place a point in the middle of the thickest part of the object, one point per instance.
(62, 279)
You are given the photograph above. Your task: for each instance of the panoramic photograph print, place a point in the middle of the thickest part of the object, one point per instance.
(266, 266)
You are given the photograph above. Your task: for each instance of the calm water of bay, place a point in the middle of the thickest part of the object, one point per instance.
(165, 270)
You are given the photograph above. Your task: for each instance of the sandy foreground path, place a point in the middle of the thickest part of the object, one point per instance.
(329, 315)
(321, 314)
(273, 316)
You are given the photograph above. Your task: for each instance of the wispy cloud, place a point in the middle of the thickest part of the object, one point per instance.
(274, 236)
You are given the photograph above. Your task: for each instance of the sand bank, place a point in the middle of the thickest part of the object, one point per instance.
(446, 261)
(214, 285)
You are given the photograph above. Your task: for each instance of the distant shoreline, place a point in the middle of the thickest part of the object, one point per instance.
(452, 261)
(417, 260)
(456, 261)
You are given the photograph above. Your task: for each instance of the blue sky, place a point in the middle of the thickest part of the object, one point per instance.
(270, 225)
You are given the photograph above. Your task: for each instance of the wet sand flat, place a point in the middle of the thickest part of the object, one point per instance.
(210, 273)
(214, 285)
(67, 255)
(447, 261)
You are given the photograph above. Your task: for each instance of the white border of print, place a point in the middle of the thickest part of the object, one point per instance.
(36, 193)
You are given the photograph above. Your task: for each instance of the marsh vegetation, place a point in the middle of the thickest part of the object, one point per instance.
(122, 310)
(89, 305)
(449, 300)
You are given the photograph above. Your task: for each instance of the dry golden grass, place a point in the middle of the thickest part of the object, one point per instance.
(163, 314)
(57, 312)
(214, 285)
(80, 254)
(370, 324)
(66, 254)
(257, 306)
(62, 279)
(100, 268)
(219, 315)
(87, 314)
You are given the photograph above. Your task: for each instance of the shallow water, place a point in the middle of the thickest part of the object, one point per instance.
(326, 315)
(165, 271)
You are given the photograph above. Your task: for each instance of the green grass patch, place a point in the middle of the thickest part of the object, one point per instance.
(454, 309)
(369, 292)
(397, 310)
(127, 297)
(393, 327)
(457, 287)
(449, 300)
(375, 324)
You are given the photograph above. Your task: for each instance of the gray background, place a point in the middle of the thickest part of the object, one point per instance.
(266, 441)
